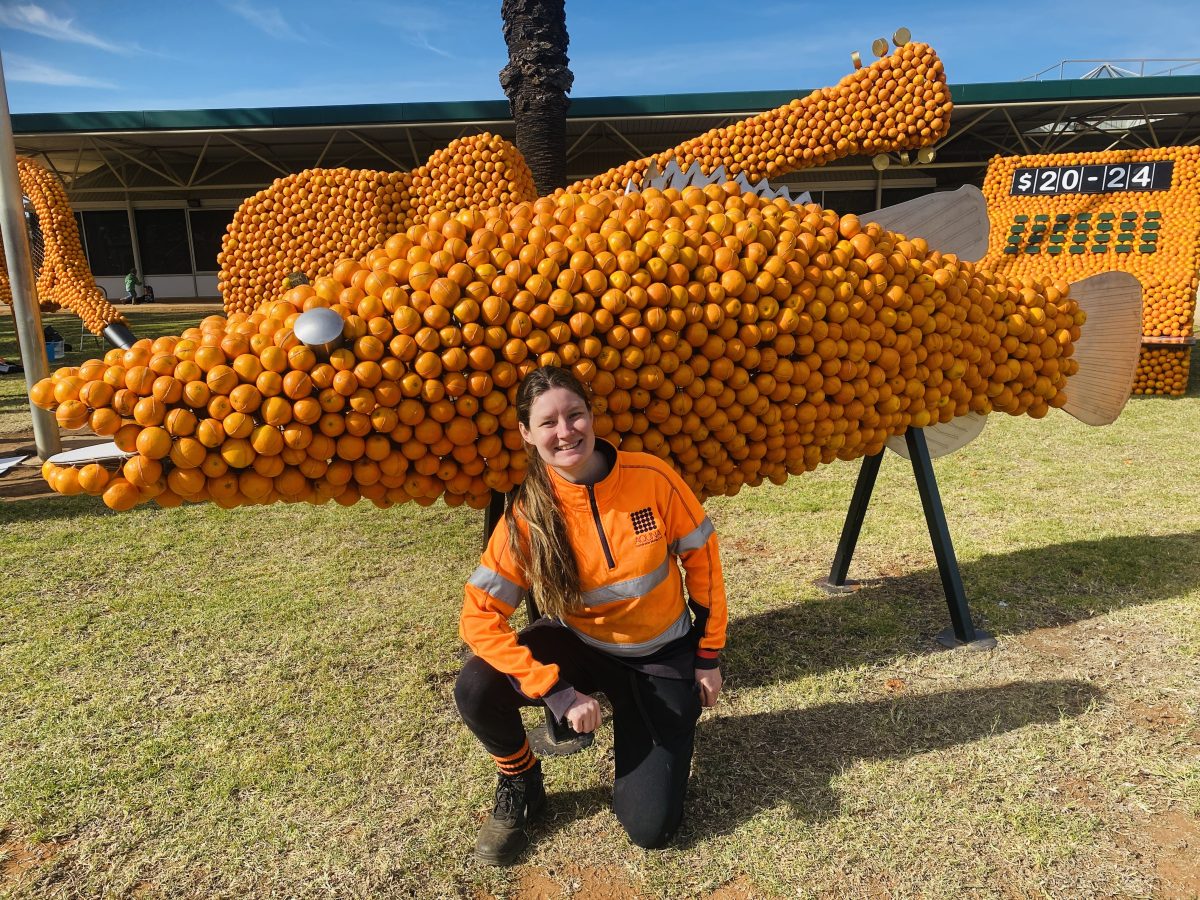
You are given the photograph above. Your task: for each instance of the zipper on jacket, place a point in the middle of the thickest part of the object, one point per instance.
(612, 563)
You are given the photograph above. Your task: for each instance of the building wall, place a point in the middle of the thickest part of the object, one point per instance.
(177, 246)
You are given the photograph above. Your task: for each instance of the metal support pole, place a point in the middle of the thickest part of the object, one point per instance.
(836, 582)
(133, 242)
(27, 315)
(962, 630)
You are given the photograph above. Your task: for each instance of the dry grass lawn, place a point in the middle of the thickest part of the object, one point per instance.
(257, 703)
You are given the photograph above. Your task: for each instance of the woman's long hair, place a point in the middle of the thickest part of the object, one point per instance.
(547, 557)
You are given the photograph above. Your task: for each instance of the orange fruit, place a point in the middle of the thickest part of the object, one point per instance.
(142, 472)
(93, 478)
(267, 440)
(237, 453)
(154, 442)
(187, 453)
(238, 425)
(120, 495)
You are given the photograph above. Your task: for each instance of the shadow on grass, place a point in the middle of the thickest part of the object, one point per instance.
(15, 401)
(29, 502)
(747, 764)
(1039, 587)
(750, 763)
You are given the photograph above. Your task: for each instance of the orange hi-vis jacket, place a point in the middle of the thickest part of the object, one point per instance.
(627, 531)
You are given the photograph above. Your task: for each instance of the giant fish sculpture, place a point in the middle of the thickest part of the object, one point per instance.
(720, 326)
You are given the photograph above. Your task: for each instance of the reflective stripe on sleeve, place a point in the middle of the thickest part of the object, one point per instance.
(677, 629)
(492, 582)
(694, 539)
(631, 587)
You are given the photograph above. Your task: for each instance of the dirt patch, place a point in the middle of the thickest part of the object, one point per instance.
(1080, 793)
(1070, 641)
(1157, 717)
(607, 884)
(19, 859)
(1175, 837)
(578, 884)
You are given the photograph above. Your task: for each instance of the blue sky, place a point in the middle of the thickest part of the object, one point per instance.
(75, 55)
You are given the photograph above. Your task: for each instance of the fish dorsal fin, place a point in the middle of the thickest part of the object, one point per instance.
(952, 221)
(651, 175)
(1109, 344)
(719, 175)
(693, 175)
(945, 437)
(671, 175)
(803, 199)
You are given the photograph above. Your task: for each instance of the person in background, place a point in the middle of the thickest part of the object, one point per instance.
(597, 535)
(132, 283)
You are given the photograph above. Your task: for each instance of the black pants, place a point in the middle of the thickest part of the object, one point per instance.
(654, 724)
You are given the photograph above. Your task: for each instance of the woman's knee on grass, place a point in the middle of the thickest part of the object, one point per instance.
(650, 827)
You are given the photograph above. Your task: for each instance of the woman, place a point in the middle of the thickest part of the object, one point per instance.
(594, 533)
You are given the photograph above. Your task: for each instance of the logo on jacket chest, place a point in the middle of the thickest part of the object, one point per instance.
(645, 527)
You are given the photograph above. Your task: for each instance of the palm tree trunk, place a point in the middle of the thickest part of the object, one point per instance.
(536, 81)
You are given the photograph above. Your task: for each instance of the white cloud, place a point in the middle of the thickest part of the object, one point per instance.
(422, 41)
(36, 20)
(30, 71)
(267, 19)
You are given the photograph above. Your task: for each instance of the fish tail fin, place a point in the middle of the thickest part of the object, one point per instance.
(952, 221)
(1108, 348)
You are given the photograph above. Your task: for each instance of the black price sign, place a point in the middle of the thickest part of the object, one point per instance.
(1114, 178)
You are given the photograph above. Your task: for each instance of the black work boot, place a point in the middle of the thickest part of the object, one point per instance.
(518, 799)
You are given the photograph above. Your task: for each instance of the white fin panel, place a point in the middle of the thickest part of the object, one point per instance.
(1108, 347)
(951, 221)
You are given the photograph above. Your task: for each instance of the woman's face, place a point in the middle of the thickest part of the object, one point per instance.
(560, 428)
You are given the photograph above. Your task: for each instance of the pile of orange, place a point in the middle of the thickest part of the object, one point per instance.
(1169, 276)
(64, 280)
(308, 221)
(479, 172)
(739, 338)
(1162, 370)
(900, 102)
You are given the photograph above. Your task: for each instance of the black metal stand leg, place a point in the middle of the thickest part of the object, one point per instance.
(836, 583)
(962, 630)
(492, 515)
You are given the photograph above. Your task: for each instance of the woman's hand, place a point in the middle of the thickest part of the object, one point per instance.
(584, 714)
(709, 682)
